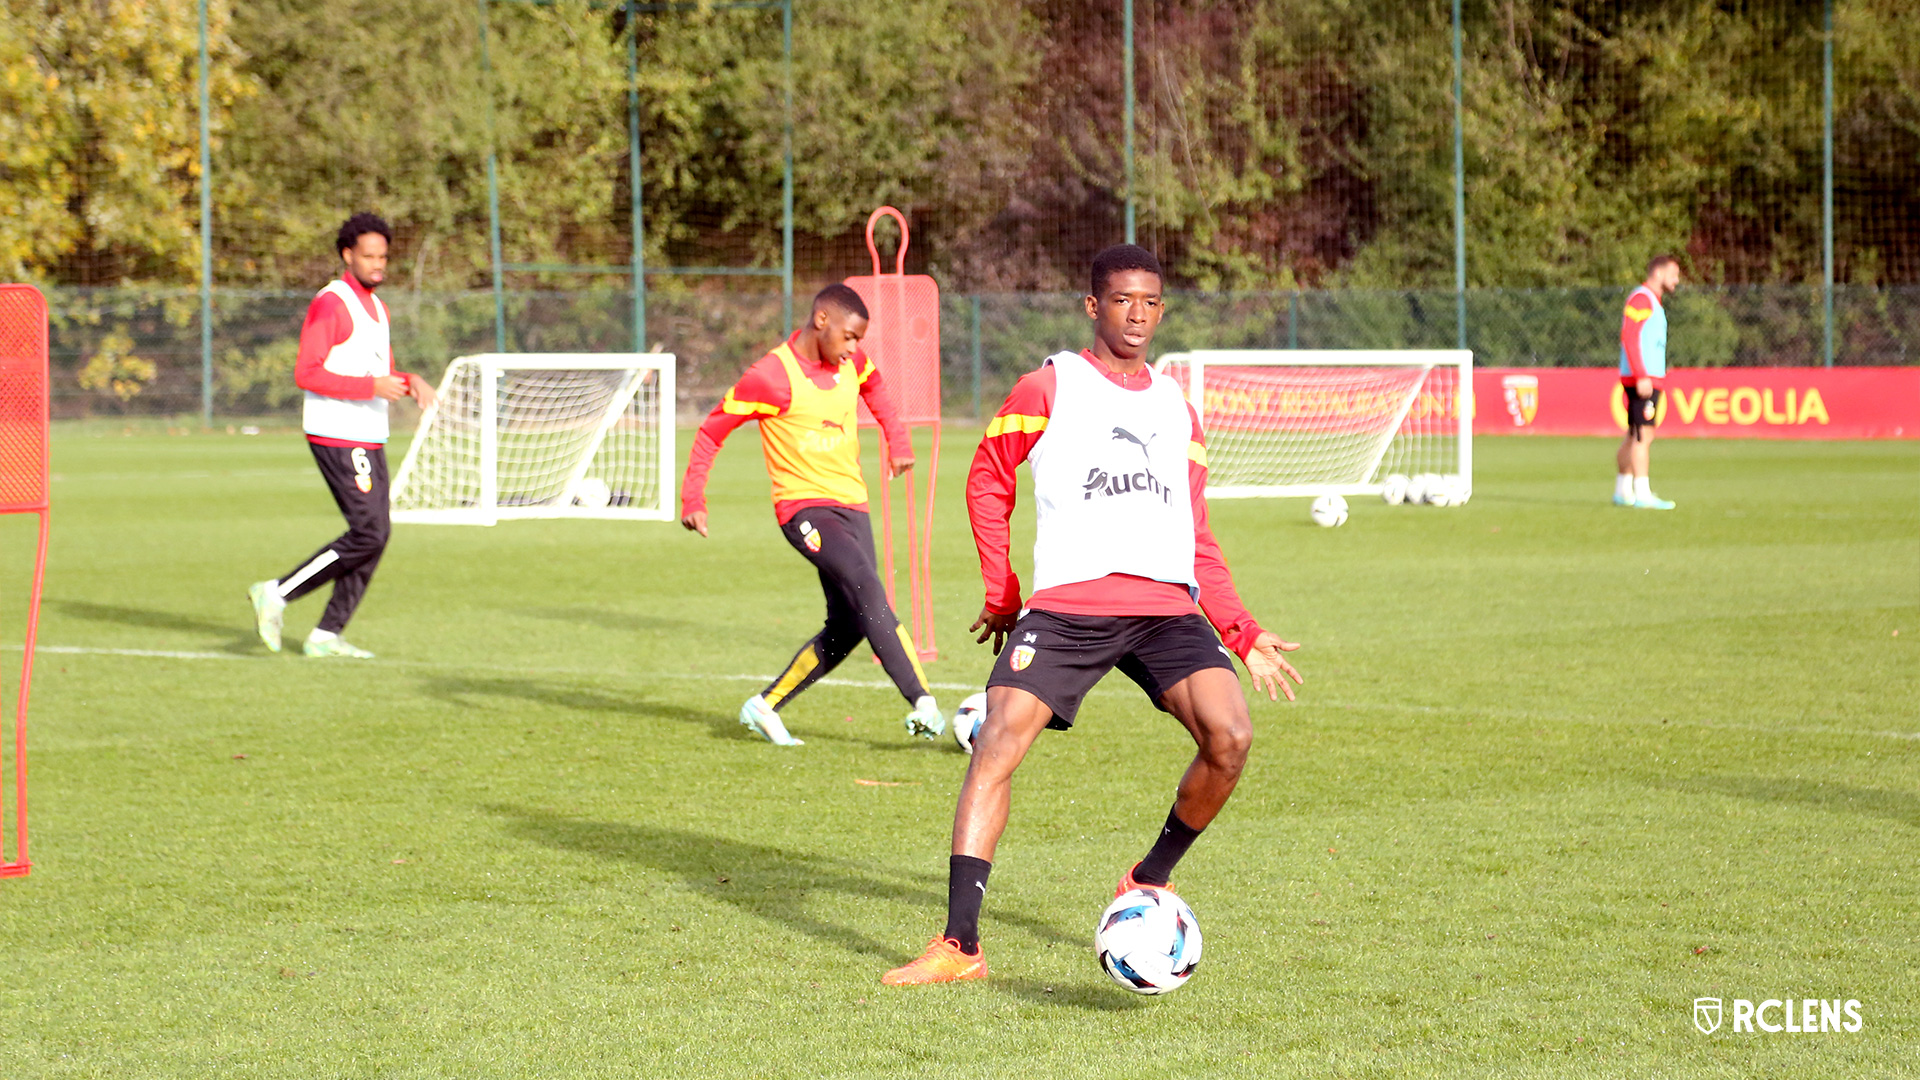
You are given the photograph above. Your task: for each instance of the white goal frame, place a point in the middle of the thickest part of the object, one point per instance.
(1198, 361)
(488, 510)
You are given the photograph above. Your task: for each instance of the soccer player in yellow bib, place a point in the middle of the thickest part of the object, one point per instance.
(806, 395)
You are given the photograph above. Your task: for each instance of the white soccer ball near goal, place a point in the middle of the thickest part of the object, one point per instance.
(1329, 511)
(592, 493)
(1394, 491)
(1148, 941)
(967, 720)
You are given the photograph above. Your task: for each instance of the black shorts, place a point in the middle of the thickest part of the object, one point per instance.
(1057, 658)
(1641, 411)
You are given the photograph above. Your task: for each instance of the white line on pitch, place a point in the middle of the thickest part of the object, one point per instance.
(167, 654)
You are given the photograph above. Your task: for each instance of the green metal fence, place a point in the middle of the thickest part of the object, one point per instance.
(127, 351)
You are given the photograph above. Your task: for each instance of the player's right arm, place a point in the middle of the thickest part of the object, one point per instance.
(762, 391)
(1632, 321)
(991, 483)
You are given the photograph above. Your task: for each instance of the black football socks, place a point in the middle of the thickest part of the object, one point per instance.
(1176, 837)
(966, 888)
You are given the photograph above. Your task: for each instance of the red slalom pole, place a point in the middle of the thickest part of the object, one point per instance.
(24, 489)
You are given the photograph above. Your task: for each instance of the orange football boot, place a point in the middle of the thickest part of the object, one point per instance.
(1127, 884)
(942, 962)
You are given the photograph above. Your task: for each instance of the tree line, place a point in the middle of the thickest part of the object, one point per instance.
(1280, 144)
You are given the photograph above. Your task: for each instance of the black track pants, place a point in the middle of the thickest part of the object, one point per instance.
(358, 479)
(839, 543)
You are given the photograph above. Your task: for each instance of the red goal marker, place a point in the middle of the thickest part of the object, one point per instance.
(903, 338)
(23, 490)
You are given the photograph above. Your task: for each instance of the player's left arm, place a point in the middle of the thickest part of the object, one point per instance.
(1263, 651)
(873, 391)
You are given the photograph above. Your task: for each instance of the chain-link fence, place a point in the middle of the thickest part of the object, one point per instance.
(1312, 173)
(137, 351)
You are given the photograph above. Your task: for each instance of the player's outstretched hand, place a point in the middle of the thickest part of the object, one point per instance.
(391, 387)
(697, 522)
(998, 626)
(423, 392)
(898, 465)
(1269, 669)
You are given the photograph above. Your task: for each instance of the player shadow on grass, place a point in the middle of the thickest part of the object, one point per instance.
(1897, 806)
(456, 689)
(241, 640)
(773, 884)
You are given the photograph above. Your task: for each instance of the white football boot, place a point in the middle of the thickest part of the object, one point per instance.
(926, 720)
(759, 718)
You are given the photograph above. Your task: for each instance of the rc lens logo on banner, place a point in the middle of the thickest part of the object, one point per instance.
(1808, 1016)
(1522, 396)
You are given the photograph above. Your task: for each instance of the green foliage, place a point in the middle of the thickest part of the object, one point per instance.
(1280, 142)
(99, 136)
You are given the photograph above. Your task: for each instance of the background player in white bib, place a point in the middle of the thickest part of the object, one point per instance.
(1121, 555)
(345, 366)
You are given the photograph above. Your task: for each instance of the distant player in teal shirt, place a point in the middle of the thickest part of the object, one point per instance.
(1643, 363)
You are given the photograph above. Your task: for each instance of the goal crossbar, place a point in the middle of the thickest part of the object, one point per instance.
(1307, 422)
(544, 435)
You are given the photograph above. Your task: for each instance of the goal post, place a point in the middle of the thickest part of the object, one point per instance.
(1306, 422)
(544, 435)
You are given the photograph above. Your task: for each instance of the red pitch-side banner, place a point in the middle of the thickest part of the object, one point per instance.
(1742, 403)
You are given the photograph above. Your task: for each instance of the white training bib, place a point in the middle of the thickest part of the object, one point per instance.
(367, 351)
(1110, 481)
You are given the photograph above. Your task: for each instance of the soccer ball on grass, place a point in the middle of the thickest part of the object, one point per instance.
(1148, 941)
(1329, 511)
(1394, 492)
(967, 720)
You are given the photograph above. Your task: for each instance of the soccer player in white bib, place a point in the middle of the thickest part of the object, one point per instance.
(345, 366)
(1643, 363)
(1125, 568)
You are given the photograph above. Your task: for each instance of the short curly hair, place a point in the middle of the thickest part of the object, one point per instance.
(359, 225)
(1120, 258)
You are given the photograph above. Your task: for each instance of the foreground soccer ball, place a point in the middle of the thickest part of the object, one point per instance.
(967, 720)
(1395, 491)
(1148, 941)
(592, 493)
(1329, 511)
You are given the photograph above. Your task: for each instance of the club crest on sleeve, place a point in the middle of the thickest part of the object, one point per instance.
(1022, 656)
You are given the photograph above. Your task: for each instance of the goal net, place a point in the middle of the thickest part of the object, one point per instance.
(1329, 422)
(584, 435)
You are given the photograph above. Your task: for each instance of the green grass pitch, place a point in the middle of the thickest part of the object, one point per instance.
(1558, 769)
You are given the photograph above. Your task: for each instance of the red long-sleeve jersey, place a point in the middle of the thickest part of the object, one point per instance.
(765, 391)
(990, 497)
(328, 324)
